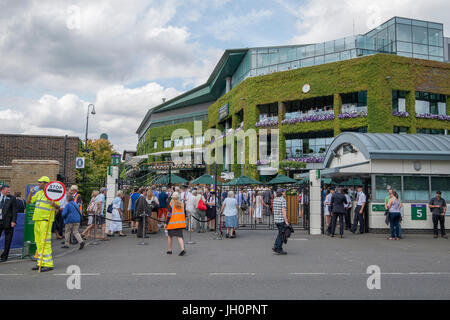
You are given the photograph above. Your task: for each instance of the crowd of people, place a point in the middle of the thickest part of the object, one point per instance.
(191, 208)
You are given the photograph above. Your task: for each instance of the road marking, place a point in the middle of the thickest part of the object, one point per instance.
(78, 274)
(154, 274)
(299, 239)
(11, 274)
(231, 274)
(358, 273)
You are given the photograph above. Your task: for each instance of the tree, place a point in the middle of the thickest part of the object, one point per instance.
(98, 158)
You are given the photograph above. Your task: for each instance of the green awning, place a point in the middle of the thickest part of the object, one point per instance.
(282, 179)
(174, 179)
(242, 181)
(205, 179)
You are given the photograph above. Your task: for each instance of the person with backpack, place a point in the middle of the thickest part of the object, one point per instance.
(72, 218)
(91, 211)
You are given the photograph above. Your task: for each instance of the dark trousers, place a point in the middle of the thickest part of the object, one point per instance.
(279, 240)
(341, 222)
(359, 217)
(441, 220)
(8, 239)
(348, 219)
(394, 221)
(59, 224)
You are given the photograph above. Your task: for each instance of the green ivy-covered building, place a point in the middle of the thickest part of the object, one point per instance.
(391, 80)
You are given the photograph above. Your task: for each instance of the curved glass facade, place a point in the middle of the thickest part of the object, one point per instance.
(404, 37)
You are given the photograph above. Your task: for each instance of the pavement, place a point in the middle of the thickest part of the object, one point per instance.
(316, 267)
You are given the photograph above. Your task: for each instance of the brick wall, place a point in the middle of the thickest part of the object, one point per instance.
(27, 147)
(26, 172)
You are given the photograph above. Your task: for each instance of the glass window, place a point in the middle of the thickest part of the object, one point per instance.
(339, 44)
(404, 32)
(382, 183)
(403, 20)
(441, 59)
(329, 47)
(420, 49)
(309, 51)
(319, 60)
(155, 144)
(274, 58)
(177, 142)
(430, 131)
(319, 49)
(345, 55)
(332, 57)
(420, 56)
(441, 184)
(436, 51)
(437, 26)
(283, 55)
(404, 46)
(400, 130)
(296, 64)
(420, 35)
(292, 54)
(308, 62)
(404, 54)
(167, 143)
(350, 43)
(419, 23)
(416, 188)
(435, 37)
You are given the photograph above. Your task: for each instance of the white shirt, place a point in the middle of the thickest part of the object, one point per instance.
(361, 198)
(349, 201)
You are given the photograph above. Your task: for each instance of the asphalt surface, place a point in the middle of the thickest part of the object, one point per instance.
(316, 267)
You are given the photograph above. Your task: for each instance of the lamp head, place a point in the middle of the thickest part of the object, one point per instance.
(93, 108)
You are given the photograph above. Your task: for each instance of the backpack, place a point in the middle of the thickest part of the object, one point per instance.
(91, 207)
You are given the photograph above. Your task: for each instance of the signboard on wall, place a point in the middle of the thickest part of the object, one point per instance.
(418, 212)
(378, 208)
(223, 111)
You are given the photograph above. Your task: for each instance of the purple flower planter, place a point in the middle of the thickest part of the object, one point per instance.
(307, 159)
(433, 116)
(317, 118)
(267, 123)
(401, 114)
(352, 115)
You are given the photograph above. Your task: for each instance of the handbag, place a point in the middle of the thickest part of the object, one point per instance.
(110, 208)
(201, 205)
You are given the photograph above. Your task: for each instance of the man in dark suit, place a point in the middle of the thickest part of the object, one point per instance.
(337, 208)
(8, 218)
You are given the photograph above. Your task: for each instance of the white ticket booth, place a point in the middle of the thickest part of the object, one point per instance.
(415, 165)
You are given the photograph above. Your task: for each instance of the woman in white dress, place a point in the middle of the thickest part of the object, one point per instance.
(326, 210)
(259, 204)
(116, 216)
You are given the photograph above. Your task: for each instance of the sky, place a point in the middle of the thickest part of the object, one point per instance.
(58, 56)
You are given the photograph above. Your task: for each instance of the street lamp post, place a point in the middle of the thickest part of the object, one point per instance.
(85, 141)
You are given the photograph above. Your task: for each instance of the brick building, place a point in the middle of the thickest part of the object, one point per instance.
(37, 149)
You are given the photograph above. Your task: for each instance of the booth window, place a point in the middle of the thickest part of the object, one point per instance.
(416, 188)
(155, 144)
(382, 182)
(441, 184)
(430, 103)
(401, 130)
(199, 140)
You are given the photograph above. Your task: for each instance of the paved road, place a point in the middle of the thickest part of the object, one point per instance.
(316, 267)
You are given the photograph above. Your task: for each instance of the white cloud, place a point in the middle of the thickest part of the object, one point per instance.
(229, 28)
(323, 20)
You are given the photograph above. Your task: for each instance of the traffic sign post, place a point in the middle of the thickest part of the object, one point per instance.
(53, 191)
(79, 163)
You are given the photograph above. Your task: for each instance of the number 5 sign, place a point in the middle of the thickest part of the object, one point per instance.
(418, 212)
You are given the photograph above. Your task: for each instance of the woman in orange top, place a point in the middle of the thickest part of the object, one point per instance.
(175, 223)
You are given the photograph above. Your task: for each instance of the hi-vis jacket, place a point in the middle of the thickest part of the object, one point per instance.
(176, 218)
(43, 208)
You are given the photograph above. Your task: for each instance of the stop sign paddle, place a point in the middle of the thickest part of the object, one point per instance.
(54, 191)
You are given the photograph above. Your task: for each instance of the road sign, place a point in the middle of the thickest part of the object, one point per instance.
(79, 164)
(418, 212)
(115, 159)
(378, 207)
(54, 191)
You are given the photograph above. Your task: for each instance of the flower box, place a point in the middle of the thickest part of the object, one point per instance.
(441, 117)
(401, 114)
(315, 118)
(351, 115)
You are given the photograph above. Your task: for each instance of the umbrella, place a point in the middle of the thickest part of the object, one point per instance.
(205, 179)
(282, 179)
(174, 179)
(242, 181)
(303, 181)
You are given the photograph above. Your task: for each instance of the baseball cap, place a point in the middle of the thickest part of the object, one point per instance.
(74, 187)
(44, 179)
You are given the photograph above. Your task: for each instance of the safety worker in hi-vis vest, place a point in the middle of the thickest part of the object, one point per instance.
(44, 214)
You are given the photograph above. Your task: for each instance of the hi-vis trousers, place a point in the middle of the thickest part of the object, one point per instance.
(40, 237)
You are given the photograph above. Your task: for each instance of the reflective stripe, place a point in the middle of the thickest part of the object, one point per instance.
(48, 255)
(48, 240)
(177, 222)
(43, 201)
(43, 208)
(48, 260)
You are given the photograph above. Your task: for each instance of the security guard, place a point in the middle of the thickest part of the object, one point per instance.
(44, 214)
